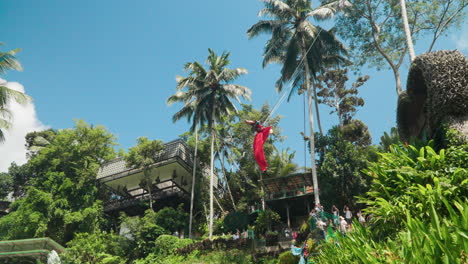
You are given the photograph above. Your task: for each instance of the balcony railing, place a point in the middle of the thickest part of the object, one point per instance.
(176, 149)
(172, 189)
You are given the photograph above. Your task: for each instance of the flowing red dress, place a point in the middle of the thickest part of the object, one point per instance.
(259, 140)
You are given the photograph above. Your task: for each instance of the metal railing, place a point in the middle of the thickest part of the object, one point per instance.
(157, 194)
(176, 149)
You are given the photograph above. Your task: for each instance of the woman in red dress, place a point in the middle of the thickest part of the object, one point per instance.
(260, 139)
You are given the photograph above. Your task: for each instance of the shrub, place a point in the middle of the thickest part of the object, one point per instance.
(96, 248)
(167, 244)
(144, 232)
(408, 179)
(287, 258)
(435, 240)
(265, 221)
(172, 219)
(221, 257)
(418, 201)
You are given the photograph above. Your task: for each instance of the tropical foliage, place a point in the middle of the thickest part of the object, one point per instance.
(208, 97)
(8, 62)
(99, 248)
(341, 162)
(374, 32)
(293, 36)
(61, 199)
(413, 193)
(418, 204)
(143, 156)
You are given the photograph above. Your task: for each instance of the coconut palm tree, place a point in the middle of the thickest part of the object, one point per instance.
(223, 145)
(8, 61)
(282, 164)
(292, 36)
(325, 51)
(187, 112)
(211, 94)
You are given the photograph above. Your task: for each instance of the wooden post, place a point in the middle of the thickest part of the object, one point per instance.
(287, 214)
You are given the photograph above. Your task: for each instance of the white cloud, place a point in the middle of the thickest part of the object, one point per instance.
(24, 121)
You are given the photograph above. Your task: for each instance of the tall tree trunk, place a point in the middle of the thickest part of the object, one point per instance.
(148, 185)
(317, 112)
(262, 190)
(225, 178)
(397, 76)
(219, 205)
(311, 123)
(409, 40)
(211, 174)
(192, 194)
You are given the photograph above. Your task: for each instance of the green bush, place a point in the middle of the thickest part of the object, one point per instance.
(419, 210)
(172, 219)
(265, 221)
(435, 240)
(213, 257)
(408, 179)
(167, 244)
(96, 248)
(144, 232)
(287, 258)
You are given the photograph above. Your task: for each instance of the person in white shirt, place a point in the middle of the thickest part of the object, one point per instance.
(361, 218)
(343, 225)
(321, 225)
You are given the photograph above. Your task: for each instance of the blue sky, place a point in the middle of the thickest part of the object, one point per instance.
(114, 62)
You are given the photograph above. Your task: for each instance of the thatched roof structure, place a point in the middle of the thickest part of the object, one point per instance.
(436, 93)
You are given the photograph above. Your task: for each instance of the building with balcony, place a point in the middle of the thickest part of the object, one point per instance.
(170, 179)
(290, 196)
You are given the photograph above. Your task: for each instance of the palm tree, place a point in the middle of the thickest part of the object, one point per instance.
(187, 111)
(223, 144)
(282, 164)
(292, 36)
(211, 94)
(8, 61)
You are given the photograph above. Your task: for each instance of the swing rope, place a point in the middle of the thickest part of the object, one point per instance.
(287, 91)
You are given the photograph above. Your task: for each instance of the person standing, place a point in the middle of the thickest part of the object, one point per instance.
(336, 215)
(335, 210)
(321, 225)
(361, 218)
(348, 214)
(343, 225)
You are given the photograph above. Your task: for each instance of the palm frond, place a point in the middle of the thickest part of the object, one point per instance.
(329, 10)
(274, 51)
(237, 90)
(7, 94)
(5, 113)
(278, 5)
(4, 124)
(8, 61)
(291, 60)
(228, 75)
(261, 27)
